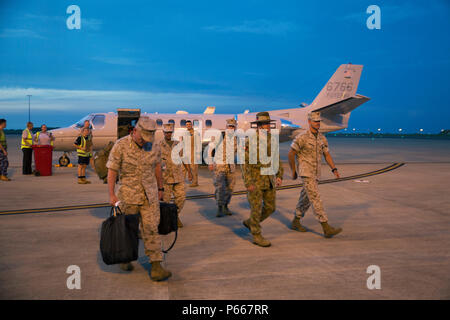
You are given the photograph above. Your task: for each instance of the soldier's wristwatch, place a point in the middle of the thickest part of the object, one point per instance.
(334, 169)
(160, 189)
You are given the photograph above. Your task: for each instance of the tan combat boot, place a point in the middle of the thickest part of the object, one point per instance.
(81, 181)
(297, 226)
(126, 266)
(86, 181)
(193, 185)
(329, 231)
(4, 178)
(158, 273)
(260, 241)
(179, 223)
(220, 212)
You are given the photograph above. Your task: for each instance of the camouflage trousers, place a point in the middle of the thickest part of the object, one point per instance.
(310, 195)
(3, 164)
(194, 170)
(177, 191)
(149, 221)
(262, 205)
(224, 183)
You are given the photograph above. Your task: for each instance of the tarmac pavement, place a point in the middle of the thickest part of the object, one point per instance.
(399, 221)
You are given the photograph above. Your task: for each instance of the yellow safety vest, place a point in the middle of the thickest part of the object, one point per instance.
(82, 153)
(28, 139)
(37, 138)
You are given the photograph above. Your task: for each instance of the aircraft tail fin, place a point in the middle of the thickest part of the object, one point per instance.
(342, 85)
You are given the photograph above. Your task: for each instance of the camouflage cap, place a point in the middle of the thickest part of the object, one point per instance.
(262, 117)
(231, 122)
(314, 116)
(168, 127)
(147, 128)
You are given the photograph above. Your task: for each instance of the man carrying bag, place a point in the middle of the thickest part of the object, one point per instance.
(138, 160)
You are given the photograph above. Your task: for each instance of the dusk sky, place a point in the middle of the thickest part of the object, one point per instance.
(164, 56)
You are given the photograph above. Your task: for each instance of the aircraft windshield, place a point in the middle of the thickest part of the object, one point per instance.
(80, 123)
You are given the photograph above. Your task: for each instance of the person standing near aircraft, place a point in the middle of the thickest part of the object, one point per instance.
(138, 160)
(3, 153)
(173, 173)
(224, 173)
(26, 146)
(44, 137)
(309, 147)
(87, 124)
(195, 138)
(261, 192)
(84, 147)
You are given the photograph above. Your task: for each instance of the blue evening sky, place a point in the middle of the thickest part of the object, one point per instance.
(164, 56)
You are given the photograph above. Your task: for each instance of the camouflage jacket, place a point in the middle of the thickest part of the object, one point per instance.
(228, 159)
(251, 173)
(172, 173)
(137, 170)
(309, 150)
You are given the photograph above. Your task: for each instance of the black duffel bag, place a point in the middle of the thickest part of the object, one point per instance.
(168, 221)
(168, 218)
(119, 242)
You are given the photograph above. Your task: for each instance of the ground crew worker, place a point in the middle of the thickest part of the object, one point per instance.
(3, 153)
(26, 146)
(138, 161)
(87, 124)
(173, 173)
(261, 192)
(44, 137)
(194, 153)
(84, 147)
(309, 147)
(224, 174)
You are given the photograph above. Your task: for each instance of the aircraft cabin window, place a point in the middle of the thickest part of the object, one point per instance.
(183, 123)
(159, 123)
(171, 121)
(80, 123)
(208, 123)
(98, 121)
(195, 123)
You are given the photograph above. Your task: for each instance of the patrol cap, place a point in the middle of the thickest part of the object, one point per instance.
(314, 116)
(168, 127)
(263, 117)
(147, 128)
(231, 122)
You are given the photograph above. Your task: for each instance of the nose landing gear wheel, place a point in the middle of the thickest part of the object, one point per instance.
(64, 161)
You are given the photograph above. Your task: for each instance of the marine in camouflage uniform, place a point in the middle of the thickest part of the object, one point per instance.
(224, 173)
(309, 147)
(138, 161)
(3, 153)
(173, 173)
(195, 154)
(261, 192)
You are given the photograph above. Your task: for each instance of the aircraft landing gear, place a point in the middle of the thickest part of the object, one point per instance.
(64, 160)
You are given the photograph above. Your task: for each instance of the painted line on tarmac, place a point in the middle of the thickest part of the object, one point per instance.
(204, 196)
